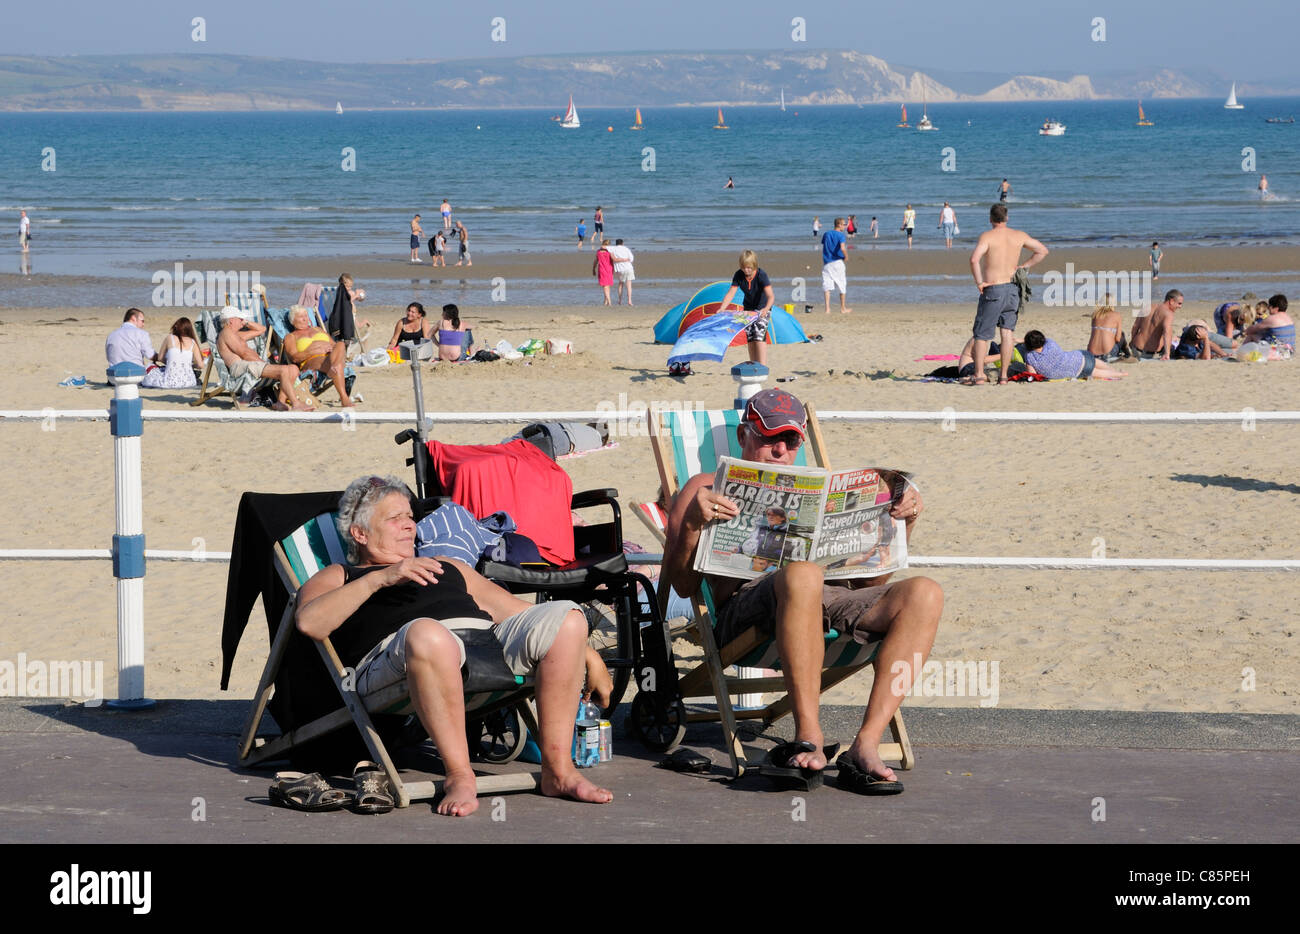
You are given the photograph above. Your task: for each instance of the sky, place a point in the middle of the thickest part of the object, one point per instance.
(965, 35)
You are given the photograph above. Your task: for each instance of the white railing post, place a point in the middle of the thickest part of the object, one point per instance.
(126, 423)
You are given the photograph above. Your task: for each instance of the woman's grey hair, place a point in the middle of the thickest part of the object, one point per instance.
(358, 503)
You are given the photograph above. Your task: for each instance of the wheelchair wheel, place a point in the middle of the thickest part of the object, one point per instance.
(658, 731)
(498, 737)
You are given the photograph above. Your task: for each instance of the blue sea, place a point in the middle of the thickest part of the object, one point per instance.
(130, 193)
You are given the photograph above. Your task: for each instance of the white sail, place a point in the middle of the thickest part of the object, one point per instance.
(1231, 102)
(570, 121)
(338, 107)
(783, 98)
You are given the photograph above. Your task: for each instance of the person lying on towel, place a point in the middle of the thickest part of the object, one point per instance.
(390, 616)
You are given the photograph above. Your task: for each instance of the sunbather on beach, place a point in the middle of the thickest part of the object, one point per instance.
(412, 326)
(1046, 358)
(1153, 333)
(1195, 343)
(1231, 320)
(792, 603)
(233, 343)
(390, 616)
(1276, 327)
(1106, 338)
(310, 349)
(451, 336)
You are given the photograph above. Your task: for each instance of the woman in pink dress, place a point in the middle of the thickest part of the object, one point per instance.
(602, 267)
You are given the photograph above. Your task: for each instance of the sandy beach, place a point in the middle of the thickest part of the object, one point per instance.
(1099, 639)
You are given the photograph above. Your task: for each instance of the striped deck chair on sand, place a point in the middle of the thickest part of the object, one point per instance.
(314, 546)
(689, 443)
(216, 367)
(313, 383)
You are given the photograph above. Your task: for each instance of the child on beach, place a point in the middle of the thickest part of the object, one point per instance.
(581, 231)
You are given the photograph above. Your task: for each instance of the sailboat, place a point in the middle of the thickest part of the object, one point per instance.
(904, 124)
(721, 124)
(783, 99)
(1142, 117)
(338, 107)
(925, 123)
(1231, 102)
(637, 125)
(570, 119)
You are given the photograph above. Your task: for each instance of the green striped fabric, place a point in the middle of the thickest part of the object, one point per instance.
(699, 438)
(313, 546)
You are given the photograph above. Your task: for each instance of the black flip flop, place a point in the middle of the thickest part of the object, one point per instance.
(854, 778)
(306, 792)
(776, 766)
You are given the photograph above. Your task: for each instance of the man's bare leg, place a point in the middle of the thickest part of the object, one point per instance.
(828, 302)
(433, 677)
(559, 682)
(629, 293)
(909, 614)
(1006, 349)
(801, 647)
(843, 309)
(757, 351)
(979, 356)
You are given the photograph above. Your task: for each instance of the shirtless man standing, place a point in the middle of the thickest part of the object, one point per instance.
(240, 357)
(1153, 333)
(416, 232)
(998, 250)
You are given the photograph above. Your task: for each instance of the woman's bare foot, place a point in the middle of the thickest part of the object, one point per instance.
(573, 785)
(459, 796)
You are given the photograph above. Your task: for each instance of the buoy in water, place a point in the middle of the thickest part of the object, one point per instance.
(609, 129)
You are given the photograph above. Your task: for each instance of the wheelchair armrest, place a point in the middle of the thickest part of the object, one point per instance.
(422, 507)
(595, 498)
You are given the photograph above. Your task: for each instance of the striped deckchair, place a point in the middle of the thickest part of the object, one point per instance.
(316, 545)
(689, 443)
(216, 367)
(313, 383)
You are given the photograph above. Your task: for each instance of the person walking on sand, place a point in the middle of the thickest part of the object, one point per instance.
(1154, 259)
(602, 267)
(24, 230)
(624, 273)
(416, 232)
(438, 249)
(464, 245)
(446, 214)
(1004, 190)
(909, 224)
(948, 222)
(834, 256)
(994, 262)
(581, 231)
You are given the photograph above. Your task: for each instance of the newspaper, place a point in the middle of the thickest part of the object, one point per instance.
(838, 519)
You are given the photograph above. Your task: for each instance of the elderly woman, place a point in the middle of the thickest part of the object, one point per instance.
(392, 617)
(310, 348)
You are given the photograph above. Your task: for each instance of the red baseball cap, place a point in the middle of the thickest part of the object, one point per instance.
(774, 411)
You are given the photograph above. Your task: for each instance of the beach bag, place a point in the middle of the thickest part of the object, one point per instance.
(556, 345)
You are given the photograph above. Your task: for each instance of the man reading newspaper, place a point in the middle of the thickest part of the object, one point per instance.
(796, 605)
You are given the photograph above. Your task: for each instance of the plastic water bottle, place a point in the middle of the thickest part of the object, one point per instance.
(586, 735)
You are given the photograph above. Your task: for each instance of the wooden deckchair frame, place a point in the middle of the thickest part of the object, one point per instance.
(710, 676)
(253, 750)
